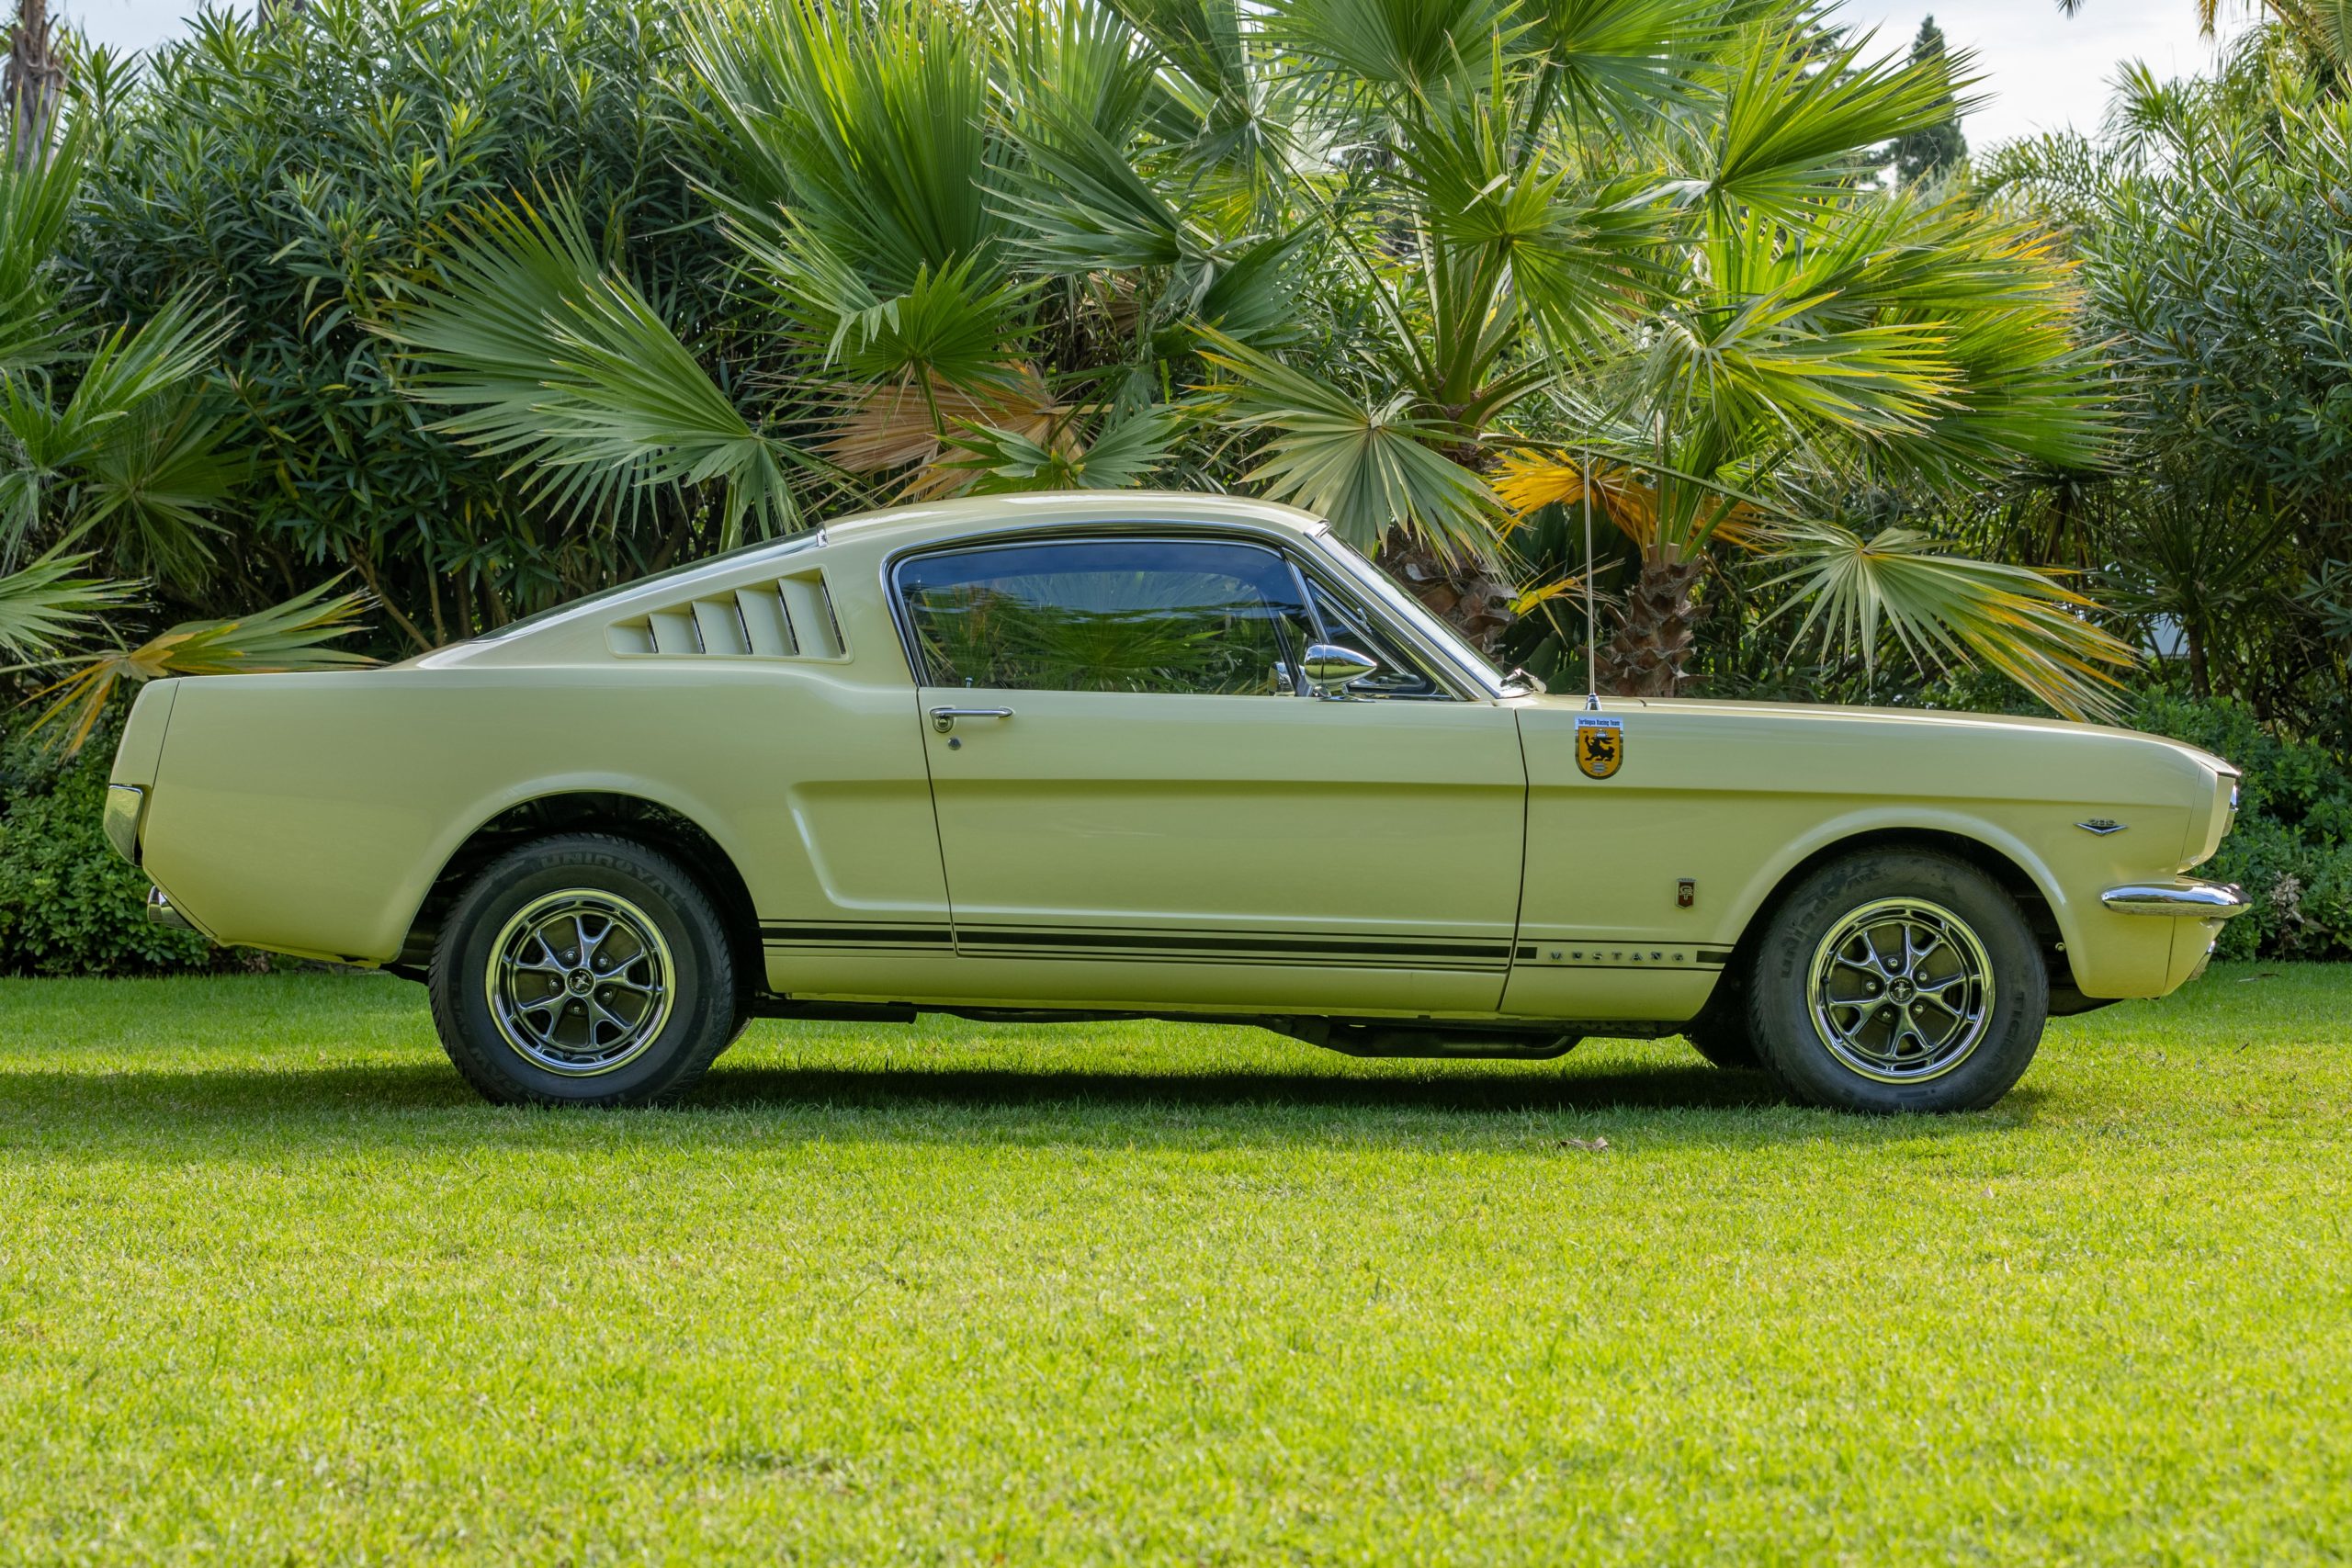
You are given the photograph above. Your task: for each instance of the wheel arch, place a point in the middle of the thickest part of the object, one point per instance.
(640, 819)
(2016, 869)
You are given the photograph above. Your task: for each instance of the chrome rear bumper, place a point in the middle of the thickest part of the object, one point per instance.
(2181, 898)
(161, 913)
(124, 804)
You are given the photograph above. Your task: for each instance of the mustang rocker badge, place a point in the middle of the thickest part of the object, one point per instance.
(1601, 745)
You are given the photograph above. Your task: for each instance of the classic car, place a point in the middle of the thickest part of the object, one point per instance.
(1081, 757)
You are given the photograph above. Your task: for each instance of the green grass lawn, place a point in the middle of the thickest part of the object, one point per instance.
(275, 1288)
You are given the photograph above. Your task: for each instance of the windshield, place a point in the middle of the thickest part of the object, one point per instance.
(1413, 613)
(588, 601)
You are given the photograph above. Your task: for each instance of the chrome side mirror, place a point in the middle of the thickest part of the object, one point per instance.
(1331, 668)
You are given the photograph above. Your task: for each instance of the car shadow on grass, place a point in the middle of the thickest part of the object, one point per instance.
(176, 1113)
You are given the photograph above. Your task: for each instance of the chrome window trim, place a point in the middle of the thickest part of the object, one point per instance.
(1401, 605)
(1311, 582)
(1442, 664)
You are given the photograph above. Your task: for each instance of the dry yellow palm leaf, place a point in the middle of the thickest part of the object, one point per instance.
(1529, 480)
(278, 640)
(894, 424)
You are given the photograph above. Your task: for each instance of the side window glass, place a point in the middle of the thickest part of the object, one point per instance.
(1401, 674)
(1171, 616)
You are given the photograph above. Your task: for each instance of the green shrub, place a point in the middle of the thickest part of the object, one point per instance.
(2292, 846)
(308, 176)
(69, 905)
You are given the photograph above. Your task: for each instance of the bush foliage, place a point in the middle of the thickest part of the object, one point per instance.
(2292, 846)
(69, 905)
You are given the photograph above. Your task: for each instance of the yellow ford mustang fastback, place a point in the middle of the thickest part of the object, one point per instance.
(1088, 756)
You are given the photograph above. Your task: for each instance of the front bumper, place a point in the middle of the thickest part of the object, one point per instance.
(2180, 898)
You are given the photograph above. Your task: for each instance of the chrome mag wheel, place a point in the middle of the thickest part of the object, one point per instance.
(1901, 990)
(580, 982)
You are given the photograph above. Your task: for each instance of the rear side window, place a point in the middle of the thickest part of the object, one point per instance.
(1199, 617)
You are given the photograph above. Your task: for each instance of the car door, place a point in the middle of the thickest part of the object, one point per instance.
(1137, 805)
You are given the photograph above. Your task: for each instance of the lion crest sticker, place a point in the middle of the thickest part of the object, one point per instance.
(1601, 745)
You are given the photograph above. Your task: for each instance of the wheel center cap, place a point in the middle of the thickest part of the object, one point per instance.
(578, 982)
(1900, 991)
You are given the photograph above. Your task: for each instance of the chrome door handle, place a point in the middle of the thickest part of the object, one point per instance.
(943, 719)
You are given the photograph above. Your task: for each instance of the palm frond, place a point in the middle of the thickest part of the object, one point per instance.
(1621, 496)
(894, 424)
(1123, 454)
(1362, 465)
(1063, 62)
(1792, 121)
(153, 482)
(869, 124)
(130, 367)
(49, 601)
(1579, 249)
(1614, 60)
(1402, 48)
(960, 324)
(553, 358)
(1084, 206)
(1943, 607)
(285, 637)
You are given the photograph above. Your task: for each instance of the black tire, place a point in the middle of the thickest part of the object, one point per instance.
(1720, 1031)
(1943, 1042)
(670, 1007)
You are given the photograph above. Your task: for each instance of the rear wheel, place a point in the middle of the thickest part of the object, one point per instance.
(584, 970)
(1898, 980)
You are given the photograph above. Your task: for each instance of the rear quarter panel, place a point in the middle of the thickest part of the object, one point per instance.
(310, 814)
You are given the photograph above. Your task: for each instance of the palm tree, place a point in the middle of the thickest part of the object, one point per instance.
(1814, 328)
(1362, 252)
(31, 82)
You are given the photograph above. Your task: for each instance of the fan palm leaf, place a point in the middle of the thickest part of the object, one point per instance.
(557, 361)
(1791, 124)
(1365, 465)
(869, 125)
(1943, 607)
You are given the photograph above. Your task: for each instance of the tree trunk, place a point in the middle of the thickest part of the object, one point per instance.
(32, 82)
(1643, 657)
(1464, 594)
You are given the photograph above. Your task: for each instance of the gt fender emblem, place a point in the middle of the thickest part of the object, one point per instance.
(2102, 826)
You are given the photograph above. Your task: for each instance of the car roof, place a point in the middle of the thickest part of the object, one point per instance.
(887, 529)
(944, 519)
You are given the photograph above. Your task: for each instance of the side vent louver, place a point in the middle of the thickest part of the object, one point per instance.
(791, 617)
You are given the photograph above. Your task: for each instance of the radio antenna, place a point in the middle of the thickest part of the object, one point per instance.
(1591, 620)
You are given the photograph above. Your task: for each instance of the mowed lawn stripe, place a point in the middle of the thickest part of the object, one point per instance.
(273, 1285)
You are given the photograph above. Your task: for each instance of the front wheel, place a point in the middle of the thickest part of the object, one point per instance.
(1898, 980)
(584, 970)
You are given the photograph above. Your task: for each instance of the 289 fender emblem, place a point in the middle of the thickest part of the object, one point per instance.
(2102, 826)
(1601, 745)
